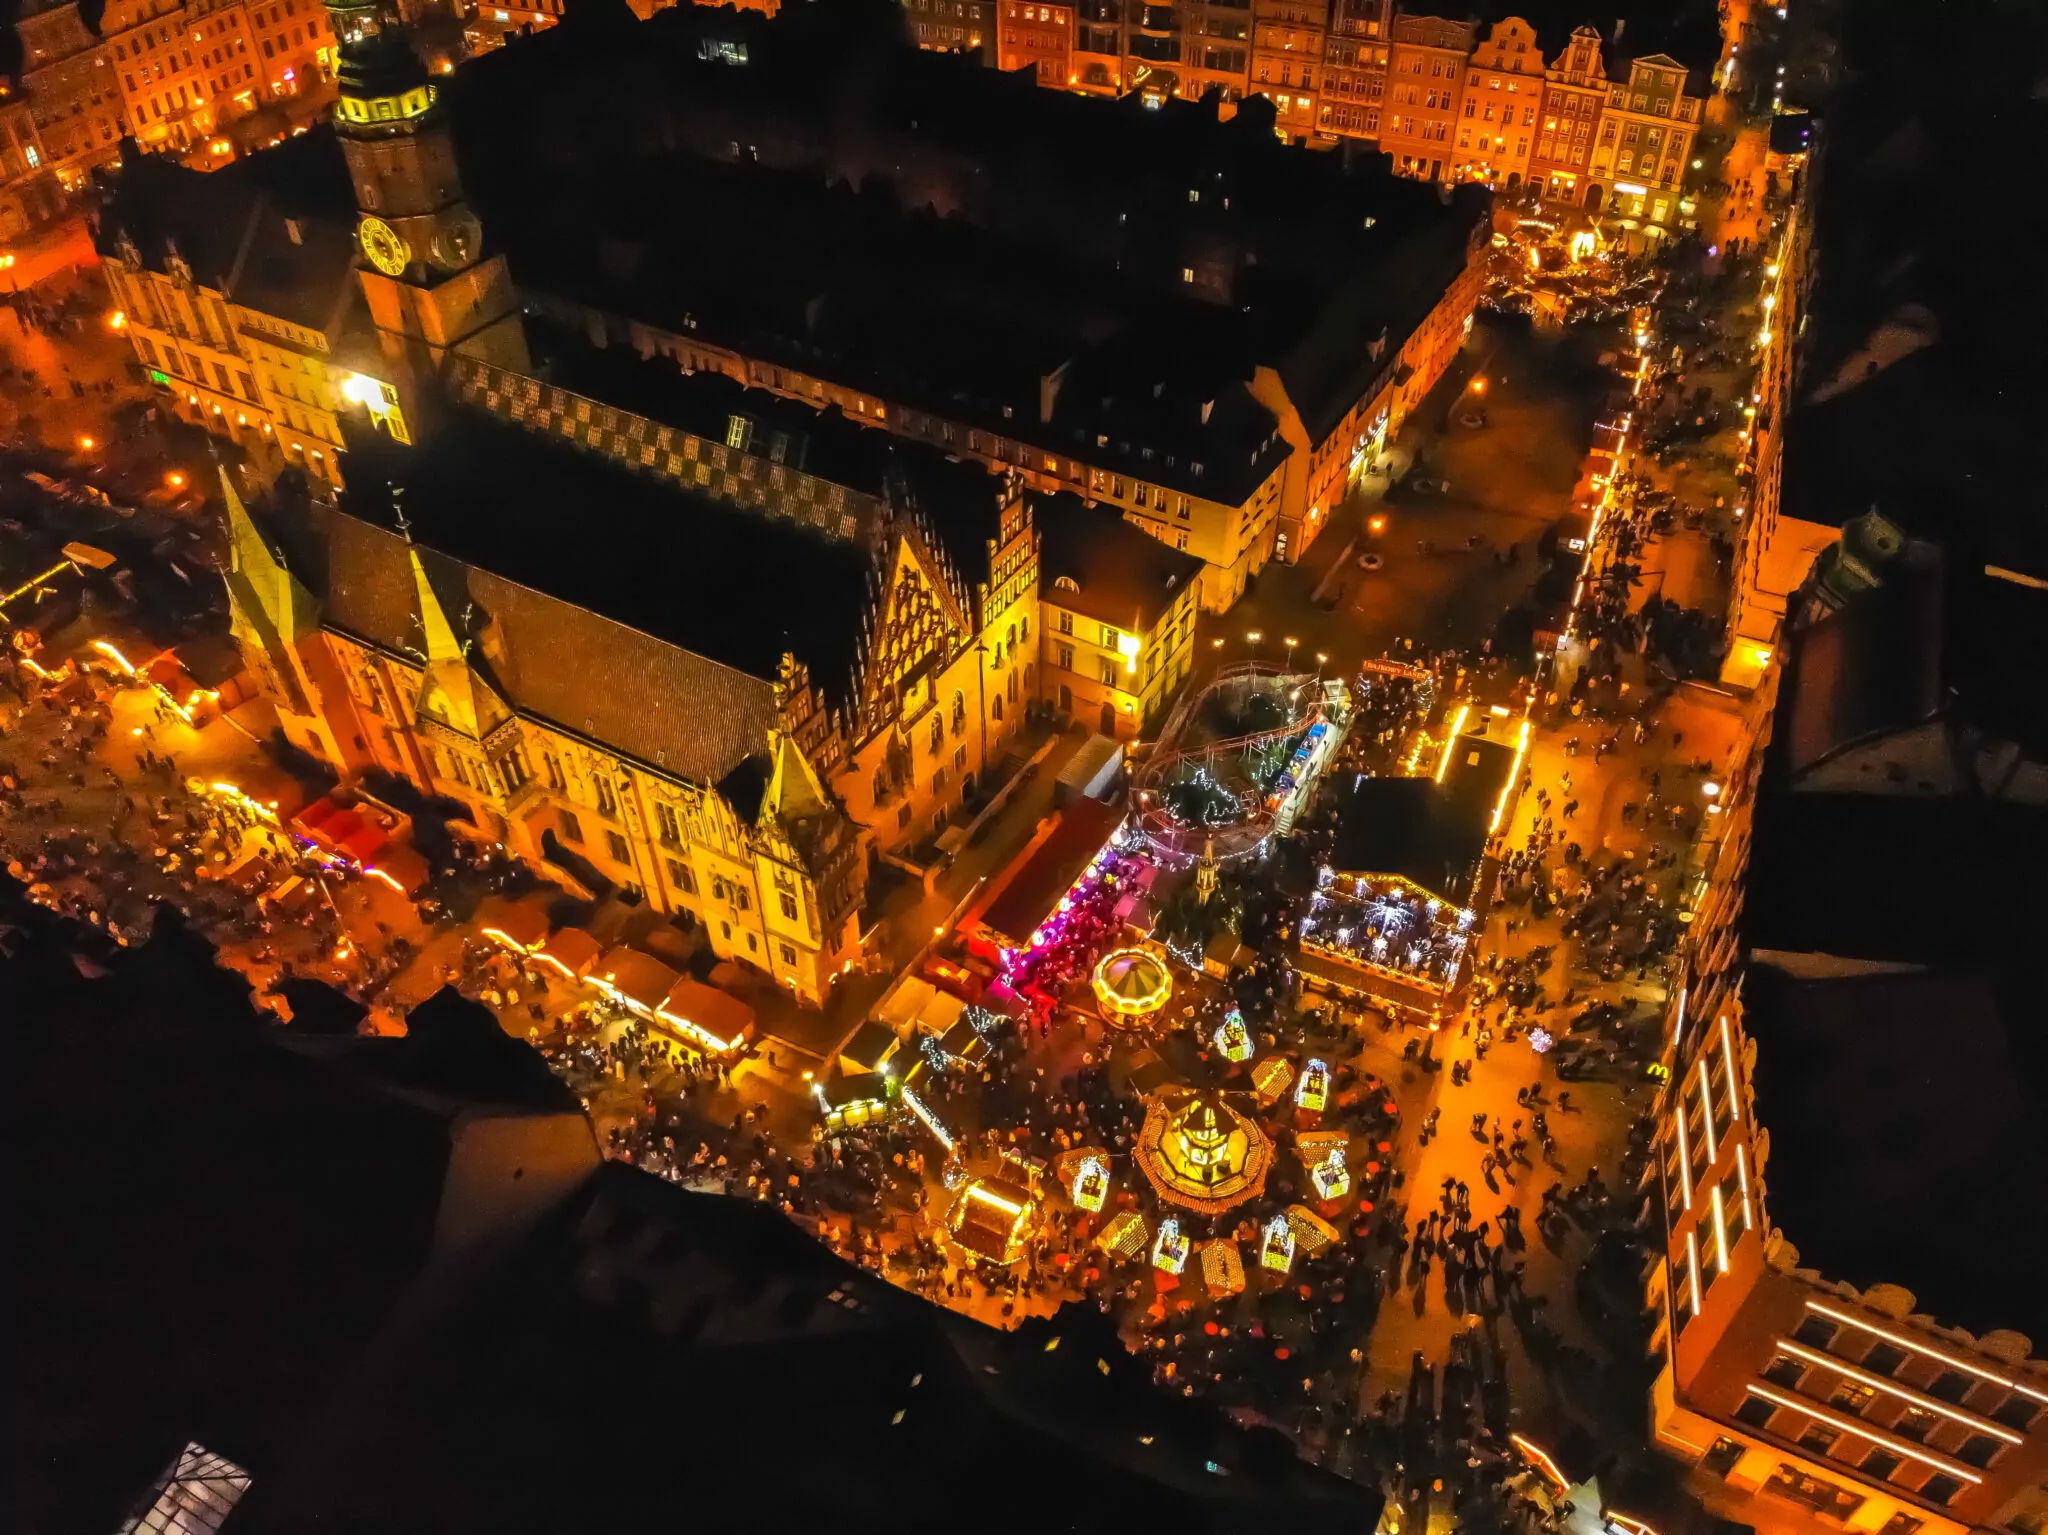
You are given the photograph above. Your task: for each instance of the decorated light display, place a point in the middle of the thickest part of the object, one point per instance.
(1169, 1247)
(1312, 1091)
(1222, 1268)
(1091, 1184)
(1331, 1178)
(1312, 1233)
(1540, 1040)
(1276, 1251)
(1233, 1039)
(1123, 1236)
(1270, 1078)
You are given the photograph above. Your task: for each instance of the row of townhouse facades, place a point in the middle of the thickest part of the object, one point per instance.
(168, 75)
(1448, 99)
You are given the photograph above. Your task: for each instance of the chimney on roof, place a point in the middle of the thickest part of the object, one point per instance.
(1207, 406)
(1619, 23)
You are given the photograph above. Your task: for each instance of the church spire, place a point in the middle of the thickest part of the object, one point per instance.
(268, 609)
(259, 580)
(452, 693)
(440, 634)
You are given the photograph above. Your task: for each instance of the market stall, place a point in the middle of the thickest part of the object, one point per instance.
(992, 1219)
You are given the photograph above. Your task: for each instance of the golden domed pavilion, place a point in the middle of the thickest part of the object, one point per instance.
(1131, 985)
(1200, 1152)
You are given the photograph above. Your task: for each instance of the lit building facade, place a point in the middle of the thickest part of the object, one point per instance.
(1811, 1366)
(71, 89)
(1039, 38)
(1574, 96)
(240, 305)
(956, 26)
(29, 191)
(1288, 40)
(1646, 137)
(1118, 631)
(736, 788)
(1356, 52)
(1504, 86)
(1425, 95)
(1774, 550)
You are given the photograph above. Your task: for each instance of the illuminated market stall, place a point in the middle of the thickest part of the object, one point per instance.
(1398, 908)
(1059, 905)
(1131, 986)
(992, 1219)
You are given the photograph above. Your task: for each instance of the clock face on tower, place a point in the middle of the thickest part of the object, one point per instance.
(383, 247)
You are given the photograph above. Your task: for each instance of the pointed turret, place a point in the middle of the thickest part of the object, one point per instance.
(268, 610)
(452, 692)
(272, 591)
(794, 792)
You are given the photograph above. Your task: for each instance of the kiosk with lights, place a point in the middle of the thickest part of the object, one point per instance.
(1276, 1247)
(1233, 1039)
(1170, 1247)
(992, 1219)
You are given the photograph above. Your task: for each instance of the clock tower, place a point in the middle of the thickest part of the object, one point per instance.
(432, 289)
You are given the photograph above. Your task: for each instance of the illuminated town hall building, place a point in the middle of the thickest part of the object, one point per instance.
(706, 568)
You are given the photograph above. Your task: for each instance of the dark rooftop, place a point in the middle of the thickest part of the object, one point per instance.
(1935, 639)
(274, 231)
(1903, 1109)
(640, 551)
(1919, 390)
(1900, 877)
(1121, 574)
(245, 1209)
(984, 248)
(1015, 908)
(642, 1352)
(960, 501)
(1431, 833)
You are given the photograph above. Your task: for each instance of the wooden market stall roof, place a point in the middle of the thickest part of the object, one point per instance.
(1030, 890)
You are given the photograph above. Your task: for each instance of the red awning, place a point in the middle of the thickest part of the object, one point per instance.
(522, 924)
(365, 842)
(402, 866)
(572, 951)
(317, 814)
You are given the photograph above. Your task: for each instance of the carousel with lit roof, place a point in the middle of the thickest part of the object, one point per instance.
(1200, 1153)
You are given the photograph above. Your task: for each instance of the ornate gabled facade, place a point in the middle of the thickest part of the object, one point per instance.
(946, 672)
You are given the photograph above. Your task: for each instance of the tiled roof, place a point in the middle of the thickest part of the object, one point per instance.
(643, 697)
(235, 226)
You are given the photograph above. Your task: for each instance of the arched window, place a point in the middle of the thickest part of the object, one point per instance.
(1066, 584)
(959, 711)
(938, 735)
(996, 709)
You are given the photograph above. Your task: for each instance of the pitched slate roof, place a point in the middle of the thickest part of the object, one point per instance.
(564, 663)
(274, 231)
